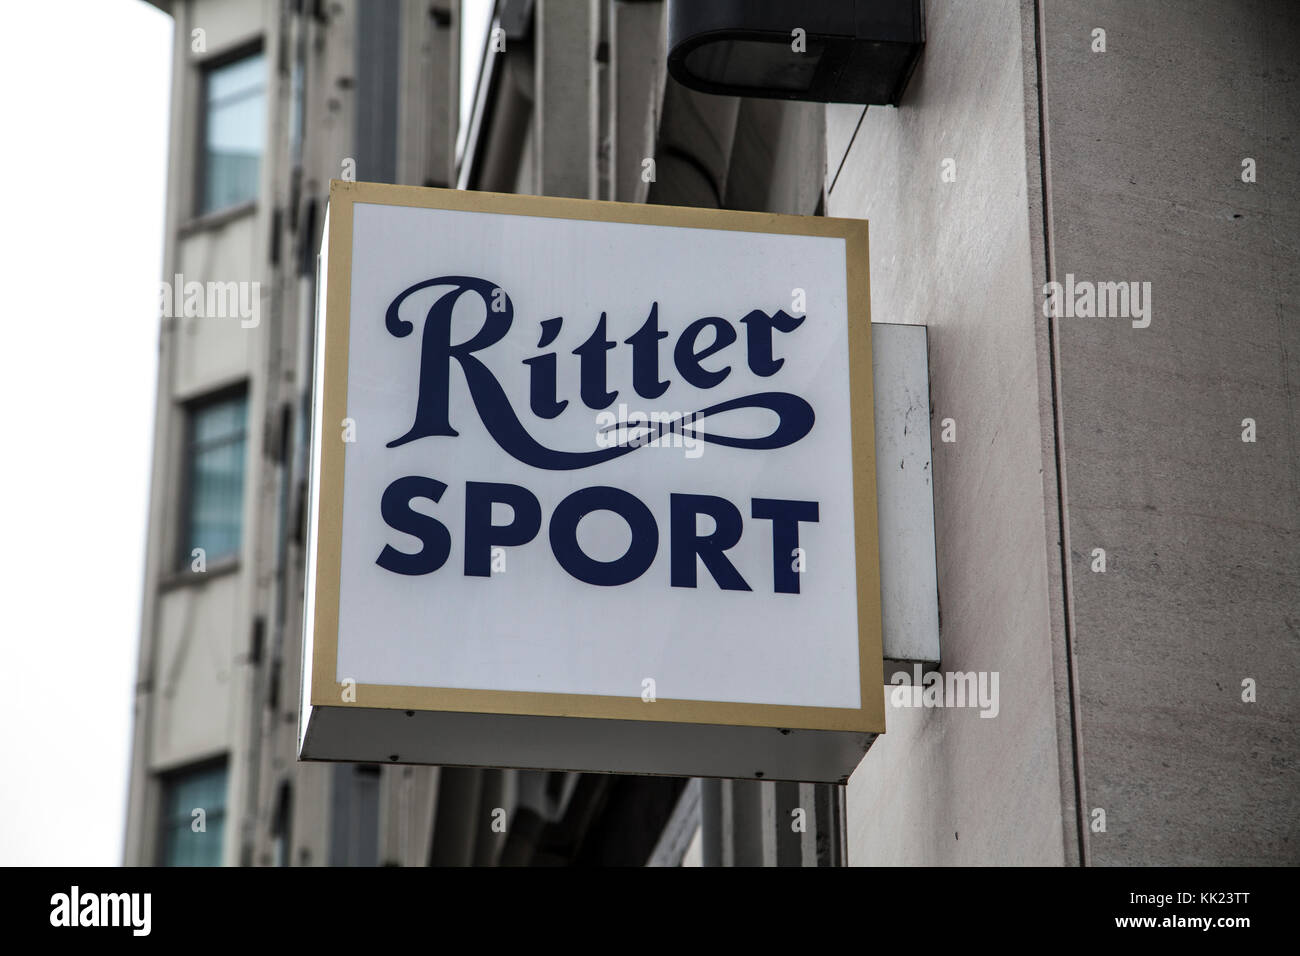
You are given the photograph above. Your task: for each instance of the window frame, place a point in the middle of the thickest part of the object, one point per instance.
(185, 497)
(205, 68)
(167, 780)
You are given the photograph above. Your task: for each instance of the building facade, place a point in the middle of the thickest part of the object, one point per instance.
(1115, 479)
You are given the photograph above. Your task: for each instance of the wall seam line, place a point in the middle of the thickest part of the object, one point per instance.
(1053, 356)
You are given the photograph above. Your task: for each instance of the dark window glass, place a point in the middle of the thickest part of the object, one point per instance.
(190, 838)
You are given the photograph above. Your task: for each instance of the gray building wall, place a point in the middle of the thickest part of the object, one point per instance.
(196, 667)
(1122, 690)
(947, 785)
(1144, 149)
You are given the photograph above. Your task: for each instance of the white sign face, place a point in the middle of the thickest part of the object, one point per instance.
(619, 461)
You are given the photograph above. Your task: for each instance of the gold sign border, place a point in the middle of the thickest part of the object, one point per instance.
(327, 691)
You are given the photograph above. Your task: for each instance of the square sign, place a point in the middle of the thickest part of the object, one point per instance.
(593, 488)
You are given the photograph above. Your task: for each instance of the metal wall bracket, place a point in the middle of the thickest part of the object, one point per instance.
(909, 593)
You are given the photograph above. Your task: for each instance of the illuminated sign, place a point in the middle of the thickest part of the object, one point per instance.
(593, 488)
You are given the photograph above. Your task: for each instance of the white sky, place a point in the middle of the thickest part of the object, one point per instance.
(84, 90)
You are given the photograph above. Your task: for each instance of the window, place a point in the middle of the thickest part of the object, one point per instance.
(354, 815)
(282, 824)
(234, 113)
(193, 816)
(214, 492)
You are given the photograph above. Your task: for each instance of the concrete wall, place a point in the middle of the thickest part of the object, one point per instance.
(1145, 144)
(197, 630)
(216, 350)
(947, 786)
(195, 671)
(1121, 691)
